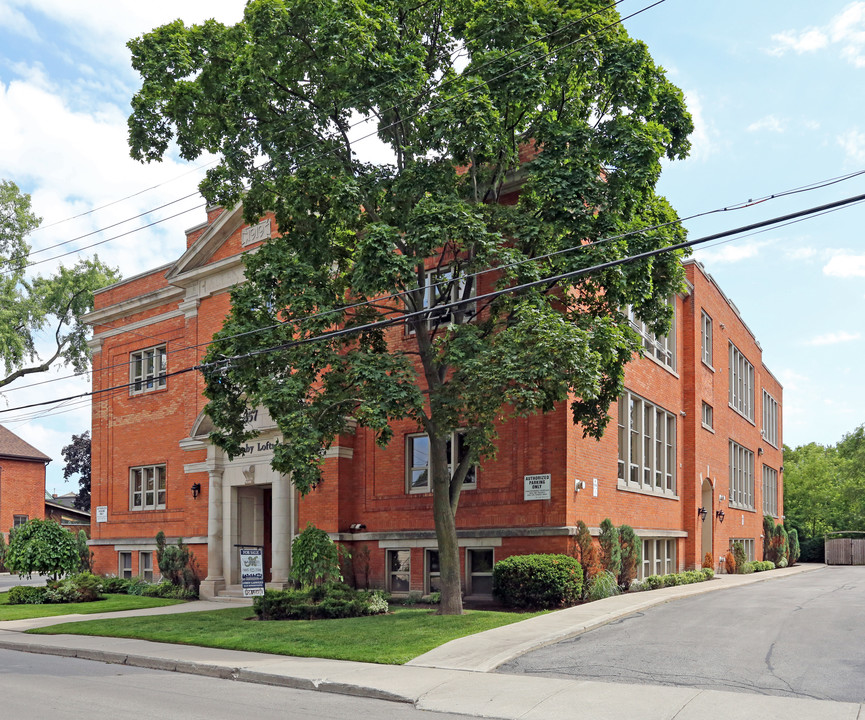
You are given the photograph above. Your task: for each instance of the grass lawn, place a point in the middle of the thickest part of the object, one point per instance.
(111, 603)
(391, 639)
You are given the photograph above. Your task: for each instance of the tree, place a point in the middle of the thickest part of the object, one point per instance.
(76, 455)
(32, 304)
(632, 555)
(42, 546)
(474, 98)
(812, 489)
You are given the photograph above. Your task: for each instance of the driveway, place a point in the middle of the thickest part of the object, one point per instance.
(801, 636)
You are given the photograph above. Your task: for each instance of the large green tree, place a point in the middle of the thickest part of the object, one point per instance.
(30, 304)
(475, 100)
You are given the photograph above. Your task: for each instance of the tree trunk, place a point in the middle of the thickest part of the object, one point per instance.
(446, 529)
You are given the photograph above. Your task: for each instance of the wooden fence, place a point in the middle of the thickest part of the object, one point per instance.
(845, 551)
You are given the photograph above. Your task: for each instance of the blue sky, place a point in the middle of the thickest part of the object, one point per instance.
(775, 89)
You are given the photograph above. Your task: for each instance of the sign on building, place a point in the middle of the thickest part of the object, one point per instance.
(101, 513)
(252, 570)
(537, 487)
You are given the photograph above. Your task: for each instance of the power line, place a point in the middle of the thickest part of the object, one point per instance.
(548, 281)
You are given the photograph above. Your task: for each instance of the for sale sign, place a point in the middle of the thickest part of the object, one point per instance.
(252, 571)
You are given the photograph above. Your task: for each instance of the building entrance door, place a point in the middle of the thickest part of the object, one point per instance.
(254, 526)
(709, 522)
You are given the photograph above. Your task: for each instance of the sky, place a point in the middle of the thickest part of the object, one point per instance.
(775, 89)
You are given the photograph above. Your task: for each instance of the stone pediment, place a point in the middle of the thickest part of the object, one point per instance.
(200, 253)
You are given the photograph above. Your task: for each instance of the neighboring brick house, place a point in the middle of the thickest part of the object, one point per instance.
(22, 481)
(699, 428)
(61, 509)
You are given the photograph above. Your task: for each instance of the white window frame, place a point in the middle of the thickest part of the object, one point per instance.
(770, 419)
(748, 544)
(442, 289)
(647, 456)
(147, 369)
(19, 520)
(770, 491)
(741, 477)
(708, 418)
(147, 487)
(471, 574)
(145, 565)
(659, 557)
(741, 383)
(660, 347)
(431, 560)
(403, 570)
(706, 338)
(416, 469)
(124, 569)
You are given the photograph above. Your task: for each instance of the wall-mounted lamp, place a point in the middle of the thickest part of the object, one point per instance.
(759, 451)
(196, 489)
(579, 485)
(720, 515)
(357, 527)
(701, 513)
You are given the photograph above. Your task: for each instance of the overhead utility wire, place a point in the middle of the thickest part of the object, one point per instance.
(817, 185)
(820, 209)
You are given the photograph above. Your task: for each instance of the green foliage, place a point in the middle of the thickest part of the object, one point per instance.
(76, 455)
(33, 305)
(114, 585)
(632, 555)
(746, 568)
(794, 550)
(83, 587)
(813, 550)
(177, 565)
(611, 551)
(763, 565)
(85, 556)
(708, 573)
(538, 581)
(782, 563)
(2, 551)
(27, 595)
(286, 81)
(42, 546)
(653, 582)
(318, 602)
(603, 585)
(692, 576)
(779, 546)
(768, 532)
(587, 554)
(314, 558)
(739, 556)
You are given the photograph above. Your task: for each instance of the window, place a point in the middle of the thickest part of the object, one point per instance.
(706, 338)
(647, 446)
(145, 565)
(708, 419)
(147, 370)
(125, 568)
(770, 419)
(661, 347)
(659, 557)
(741, 477)
(147, 488)
(432, 576)
(442, 288)
(398, 571)
(747, 543)
(418, 460)
(18, 520)
(770, 491)
(741, 392)
(479, 567)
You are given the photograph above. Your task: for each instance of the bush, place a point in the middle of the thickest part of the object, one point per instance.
(314, 558)
(708, 573)
(538, 581)
(25, 595)
(729, 563)
(746, 568)
(637, 586)
(813, 550)
(782, 563)
(672, 580)
(795, 551)
(611, 551)
(692, 576)
(653, 582)
(768, 532)
(739, 555)
(42, 546)
(586, 553)
(177, 564)
(631, 552)
(708, 561)
(113, 585)
(329, 601)
(603, 585)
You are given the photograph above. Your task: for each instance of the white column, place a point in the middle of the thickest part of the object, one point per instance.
(215, 580)
(280, 530)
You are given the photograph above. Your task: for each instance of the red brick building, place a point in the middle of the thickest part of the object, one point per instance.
(22, 481)
(698, 429)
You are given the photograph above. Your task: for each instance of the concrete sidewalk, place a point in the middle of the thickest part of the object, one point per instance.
(455, 677)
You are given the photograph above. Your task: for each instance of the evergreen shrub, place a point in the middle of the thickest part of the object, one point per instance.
(27, 595)
(329, 601)
(538, 581)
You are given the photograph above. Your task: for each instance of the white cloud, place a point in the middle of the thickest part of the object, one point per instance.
(769, 123)
(15, 22)
(731, 251)
(845, 31)
(853, 144)
(803, 253)
(834, 338)
(845, 265)
(792, 380)
(704, 138)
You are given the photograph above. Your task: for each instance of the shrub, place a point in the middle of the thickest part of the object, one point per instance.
(25, 595)
(85, 556)
(2, 551)
(42, 546)
(113, 585)
(729, 563)
(603, 585)
(782, 563)
(611, 551)
(746, 568)
(314, 558)
(672, 580)
(779, 545)
(653, 582)
(813, 550)
(177, 564)
(693, 576)
(637, 586)
(768, 532)
(794, 551)
(587, 554)
(739, 555)
(708, 561)
(329, 601)
(538, 581)
(631, 552)
(708, 573)
(434, 598)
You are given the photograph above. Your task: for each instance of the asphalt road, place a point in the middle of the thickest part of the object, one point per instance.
(8, 580)
(35, 687)
(803, 636)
